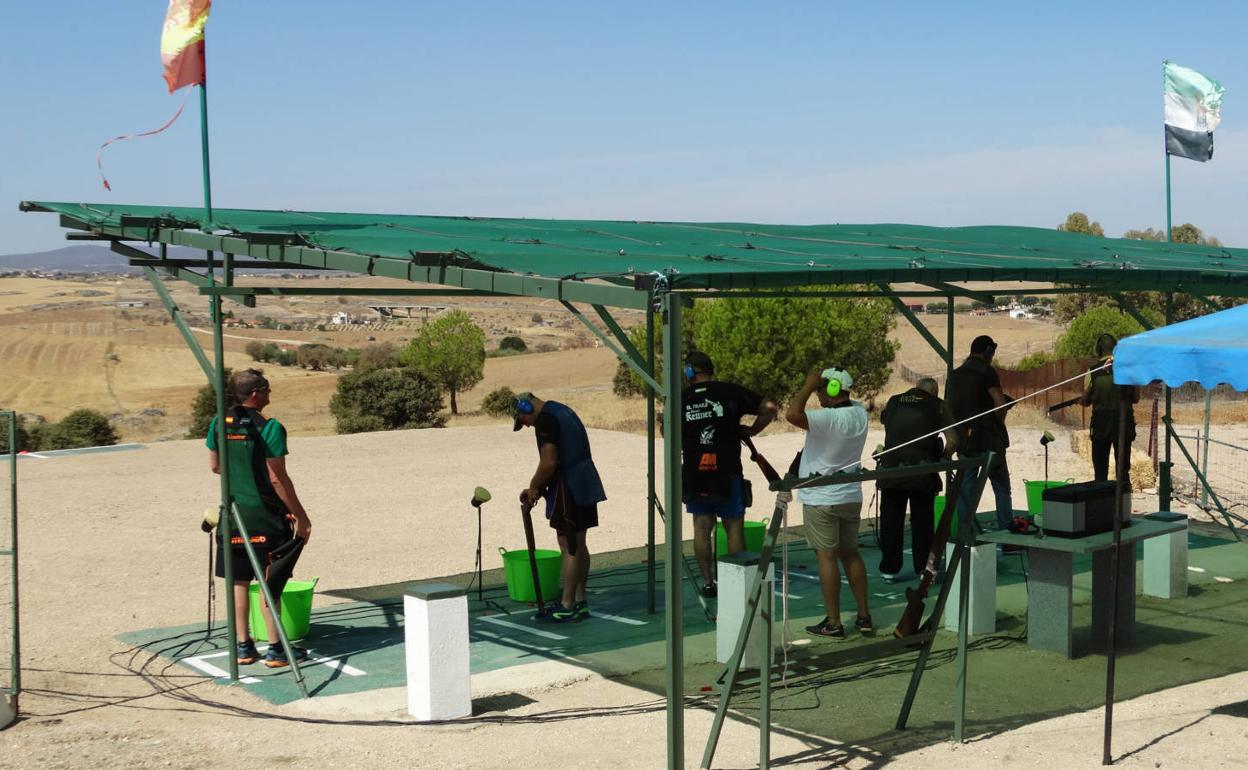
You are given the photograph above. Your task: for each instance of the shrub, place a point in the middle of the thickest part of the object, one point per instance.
(385, 399)
(512, 343)
(536, 318)
(383, 355)
(498, 402)
(1034, 360)
(80, 428)
(1080, 336)
(21, 439)
(255, 349)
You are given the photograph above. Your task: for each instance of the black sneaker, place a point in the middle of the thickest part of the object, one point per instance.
(557, 613)
(276, 656)
(864, 625)
(581, 609)
(247, 652)
(709, 591)
(826, 629)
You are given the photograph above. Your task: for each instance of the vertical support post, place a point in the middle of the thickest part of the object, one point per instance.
(967, 540)
(15, 660)
(1123, 461)
(650, 438)
(1204, 456)
(218, 345)
(1169, 229)
(764, 674)
(672, 588)
(1165, 482)
(948, 375)
(203, 145)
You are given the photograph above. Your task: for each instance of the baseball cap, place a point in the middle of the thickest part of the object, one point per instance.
(832, 373)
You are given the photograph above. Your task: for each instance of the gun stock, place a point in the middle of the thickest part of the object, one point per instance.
(527, 517)
(1064, 404)
(912, 616)
(768, 472)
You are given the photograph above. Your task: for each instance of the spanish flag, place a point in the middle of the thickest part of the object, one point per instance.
(182, 43)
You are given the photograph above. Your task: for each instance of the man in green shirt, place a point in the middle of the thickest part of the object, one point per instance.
(1105, 398)
(267, 503)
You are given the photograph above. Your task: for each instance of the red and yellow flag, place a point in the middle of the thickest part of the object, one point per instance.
(182, 43)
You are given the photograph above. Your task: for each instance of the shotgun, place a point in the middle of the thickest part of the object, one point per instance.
(768, 472)
(1064, 404)
(912, 616)
(525, 509)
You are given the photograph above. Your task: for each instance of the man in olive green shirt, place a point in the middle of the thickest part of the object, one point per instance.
(1106, 398)
(265, 497)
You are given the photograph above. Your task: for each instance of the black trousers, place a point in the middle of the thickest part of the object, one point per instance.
(893, 504)
(1100, 460)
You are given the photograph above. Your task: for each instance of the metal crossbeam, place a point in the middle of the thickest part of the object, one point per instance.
(918, 325)
(175, 314)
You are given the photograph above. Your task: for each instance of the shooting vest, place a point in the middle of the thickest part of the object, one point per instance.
(262, 511)
(576, 463)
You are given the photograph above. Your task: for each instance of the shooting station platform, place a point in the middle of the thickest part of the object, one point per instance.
(357, 648)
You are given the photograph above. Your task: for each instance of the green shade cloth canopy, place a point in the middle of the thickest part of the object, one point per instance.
(702, 255)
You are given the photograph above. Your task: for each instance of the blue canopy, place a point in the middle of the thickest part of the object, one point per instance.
(1211, 350)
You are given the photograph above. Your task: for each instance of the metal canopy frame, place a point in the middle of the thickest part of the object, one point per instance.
(661, 294)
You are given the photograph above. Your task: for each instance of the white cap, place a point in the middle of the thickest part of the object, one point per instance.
(832, 373)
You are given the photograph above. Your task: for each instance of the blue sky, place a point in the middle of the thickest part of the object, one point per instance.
(951, 113)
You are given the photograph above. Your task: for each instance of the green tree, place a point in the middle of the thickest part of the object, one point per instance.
(81, 428)
(768, 344)
(498, 401)
(449, 351)
(21, 439)
(1147, 234)
(204, 407)
(385, 399)
(1078, 222)
(383, 355)
(1079, 339)
(512, 343)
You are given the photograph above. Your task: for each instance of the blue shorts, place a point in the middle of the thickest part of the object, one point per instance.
(732, 508)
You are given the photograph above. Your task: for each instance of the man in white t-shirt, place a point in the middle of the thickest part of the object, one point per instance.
(835, 436)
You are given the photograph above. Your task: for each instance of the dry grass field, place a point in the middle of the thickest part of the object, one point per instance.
(66, 344)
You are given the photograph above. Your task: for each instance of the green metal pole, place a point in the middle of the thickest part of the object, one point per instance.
(15, 689)
(203, 145)
(1165, 484)
(964, 603)
(672, 589)
(650, 438)
(764, 673)
(218, 344)
(1204, 456)
(1169, 229)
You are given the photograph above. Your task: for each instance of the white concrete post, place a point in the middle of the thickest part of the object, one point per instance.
(1165, 561)
(435, 618)
(983, 609)
(736, 575)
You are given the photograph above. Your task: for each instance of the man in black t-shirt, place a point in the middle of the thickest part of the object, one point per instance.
(712, 477)
(906, 417)
(973, 389)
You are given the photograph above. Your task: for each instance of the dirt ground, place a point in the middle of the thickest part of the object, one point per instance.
(110, 544)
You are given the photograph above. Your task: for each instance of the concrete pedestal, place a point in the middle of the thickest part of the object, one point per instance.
(7, 714)
(436, 628)
(736, 576)
(1165, 561)
(983, 605)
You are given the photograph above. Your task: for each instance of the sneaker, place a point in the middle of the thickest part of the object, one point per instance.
(864, 625)
(888, 578)
(557, 613)
(247, 652)
(581, 609)
(276, 656)
(825, 628)
(710, 591)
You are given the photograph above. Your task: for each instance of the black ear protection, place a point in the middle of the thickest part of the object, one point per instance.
(1104, 344)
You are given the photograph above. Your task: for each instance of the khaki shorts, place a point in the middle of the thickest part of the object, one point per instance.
(832, 527)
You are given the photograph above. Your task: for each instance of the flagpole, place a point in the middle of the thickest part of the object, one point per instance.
(1169, 237)
(203, 143)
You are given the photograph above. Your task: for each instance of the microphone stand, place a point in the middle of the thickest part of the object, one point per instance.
(480, 584)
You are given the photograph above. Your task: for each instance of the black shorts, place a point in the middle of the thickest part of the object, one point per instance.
(265, 553)
(565, 515)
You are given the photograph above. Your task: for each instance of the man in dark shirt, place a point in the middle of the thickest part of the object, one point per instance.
(712, 477)
(1105, 398)
(973, 389)
(567, 478)
(908, 416)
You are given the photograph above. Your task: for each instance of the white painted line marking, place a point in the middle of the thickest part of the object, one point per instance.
(616, 618)
(488, 636)
(1221, 579)
(527, 629)
(337, 665)
(211, 670)
(804, 576)
(1196, 569)
(791, 595)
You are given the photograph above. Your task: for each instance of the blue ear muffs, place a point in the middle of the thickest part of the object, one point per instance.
(689, 372)
(524, 406)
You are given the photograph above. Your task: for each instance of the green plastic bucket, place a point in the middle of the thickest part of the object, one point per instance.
(1035, 493)
(296, 610)
(938, 510)
(755, 533)
(520, 576)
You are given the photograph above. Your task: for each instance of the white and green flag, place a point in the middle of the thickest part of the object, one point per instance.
(1193, 109)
